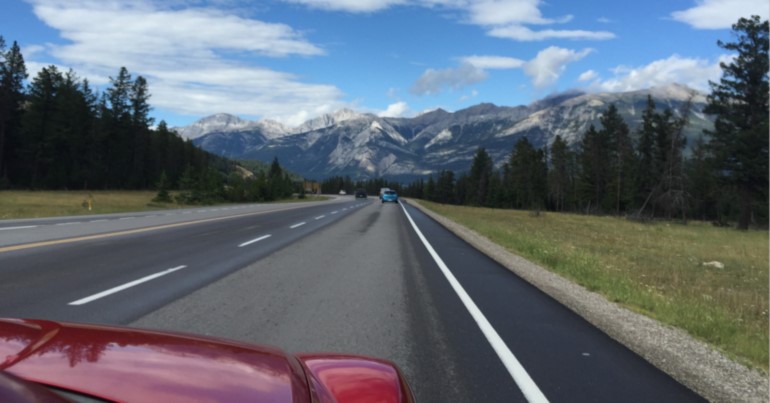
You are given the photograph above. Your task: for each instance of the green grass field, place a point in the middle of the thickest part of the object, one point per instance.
(26, 204)
(655, 269)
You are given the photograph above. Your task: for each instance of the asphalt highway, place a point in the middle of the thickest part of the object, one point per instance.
(353, 276)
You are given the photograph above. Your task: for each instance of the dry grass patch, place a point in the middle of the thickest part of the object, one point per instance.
(655, 269)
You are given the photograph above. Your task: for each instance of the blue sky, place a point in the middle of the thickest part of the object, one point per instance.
(292, 60)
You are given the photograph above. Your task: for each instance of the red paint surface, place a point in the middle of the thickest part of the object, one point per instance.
(131, 365)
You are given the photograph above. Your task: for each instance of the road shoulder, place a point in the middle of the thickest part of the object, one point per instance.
(691, 362)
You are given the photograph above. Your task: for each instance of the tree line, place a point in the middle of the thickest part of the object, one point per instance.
(334, 184)
(724, 179)
(57, 132)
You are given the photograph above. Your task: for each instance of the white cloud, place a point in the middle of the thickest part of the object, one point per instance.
(695, 73)
(549, 64)
(507, 19)
(544, 70)
(242, 91)
(521, 33)
(195, 59)
(351, 6)
(433, 81)
(501, 18)
(719, 14)
(465, 97)
(504, 12)
(588, 75)
(395, 110)
(493, 62)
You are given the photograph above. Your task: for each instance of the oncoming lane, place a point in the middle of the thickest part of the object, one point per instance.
(122, 267)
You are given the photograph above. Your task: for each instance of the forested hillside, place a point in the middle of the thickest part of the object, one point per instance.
(58, 133)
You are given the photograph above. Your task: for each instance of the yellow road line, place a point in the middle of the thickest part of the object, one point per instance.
(129, 232)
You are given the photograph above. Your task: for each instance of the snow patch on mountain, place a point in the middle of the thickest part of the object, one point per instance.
(272, 129)
(327, 120)
(676, 92)
(386, 164)
(443, 136)
(220, 122)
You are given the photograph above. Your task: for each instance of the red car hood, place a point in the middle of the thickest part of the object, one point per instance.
(132, 365)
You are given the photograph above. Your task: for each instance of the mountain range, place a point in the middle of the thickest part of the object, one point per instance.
(364, 145)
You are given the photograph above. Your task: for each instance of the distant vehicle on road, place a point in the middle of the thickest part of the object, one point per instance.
(63, 362)
(343, 192)
(383, 190)
(361, 193)
(389, 196)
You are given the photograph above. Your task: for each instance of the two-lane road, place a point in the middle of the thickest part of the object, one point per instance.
(353, 276)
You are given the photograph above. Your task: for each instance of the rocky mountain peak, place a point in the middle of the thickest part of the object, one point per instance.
(366, 146)
(220, 122)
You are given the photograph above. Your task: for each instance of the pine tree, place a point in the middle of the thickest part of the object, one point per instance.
(595, 169)
(38, 143)
(739, 141)
(445, 187)
(140, 108)
(672, 194)
(430, 189)
(120, 145)
(621, 159)
(119, 96)
(702, 183)
(478, 192)
(647, 169)
(527, 176)
(13, 72)
(560, 178)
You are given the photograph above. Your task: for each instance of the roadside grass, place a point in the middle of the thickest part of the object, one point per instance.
(652, 268)
(35, 204)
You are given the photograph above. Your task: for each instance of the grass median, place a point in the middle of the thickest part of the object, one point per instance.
(663, 270)
(35, 204)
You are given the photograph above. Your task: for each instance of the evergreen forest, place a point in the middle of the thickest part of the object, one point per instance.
(57, 133)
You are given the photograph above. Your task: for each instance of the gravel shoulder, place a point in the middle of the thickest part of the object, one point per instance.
(691, 362)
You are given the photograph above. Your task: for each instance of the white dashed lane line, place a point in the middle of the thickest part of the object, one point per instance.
(320, 217)
(247, 243)
(14, 228)
(298, 225)
(124, 286)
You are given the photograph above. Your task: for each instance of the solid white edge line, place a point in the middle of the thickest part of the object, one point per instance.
(124, 286)
(525, 383)
(254, 240)
(297, 225)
